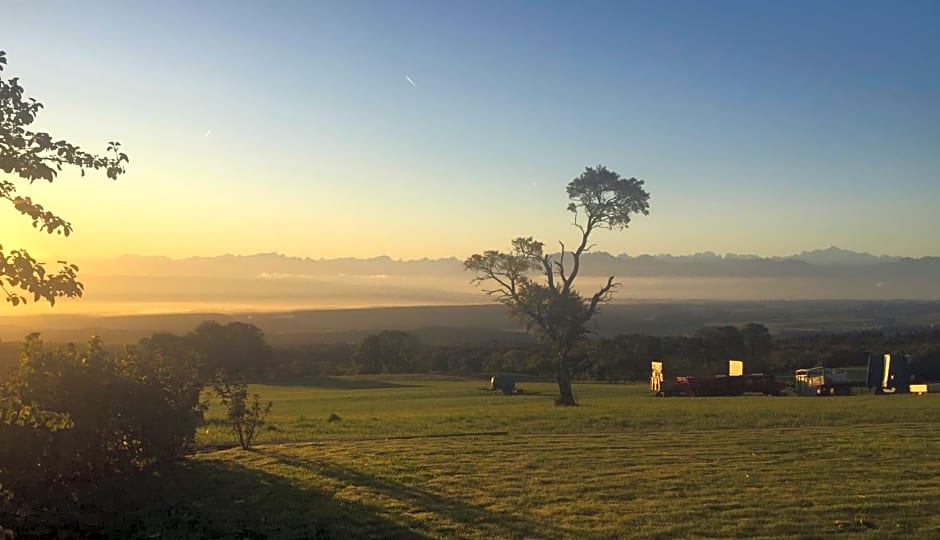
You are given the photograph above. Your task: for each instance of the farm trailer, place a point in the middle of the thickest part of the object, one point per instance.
(822, 381)
(505, 384)
(736, 383)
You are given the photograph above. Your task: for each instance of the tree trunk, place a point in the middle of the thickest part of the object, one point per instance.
(565, 394)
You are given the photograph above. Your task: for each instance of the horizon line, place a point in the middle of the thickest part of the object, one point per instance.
(455, 257)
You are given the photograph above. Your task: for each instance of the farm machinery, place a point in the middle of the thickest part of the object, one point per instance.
(735, 383)
(822, 381)
(891, 374)
(887, 374)
(505, 384)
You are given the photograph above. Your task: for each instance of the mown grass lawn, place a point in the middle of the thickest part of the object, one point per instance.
(403, 462)
(403, 407)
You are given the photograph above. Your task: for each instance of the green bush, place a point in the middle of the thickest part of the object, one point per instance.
(245, 416)
(123, 412)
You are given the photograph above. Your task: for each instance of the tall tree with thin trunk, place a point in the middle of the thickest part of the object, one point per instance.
(539, 289)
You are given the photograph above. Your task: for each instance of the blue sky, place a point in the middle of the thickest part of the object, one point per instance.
(760, 127)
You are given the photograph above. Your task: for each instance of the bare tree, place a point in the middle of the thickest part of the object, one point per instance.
(539, 289)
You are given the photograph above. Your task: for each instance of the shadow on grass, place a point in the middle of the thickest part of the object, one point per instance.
(221, 499)
(484, 522)
(336, 383)
(521, 394)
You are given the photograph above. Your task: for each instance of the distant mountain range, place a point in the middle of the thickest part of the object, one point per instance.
(271, 281)
(822, 263)
(278, 285)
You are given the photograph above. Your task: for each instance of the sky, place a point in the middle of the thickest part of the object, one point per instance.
(438, 129)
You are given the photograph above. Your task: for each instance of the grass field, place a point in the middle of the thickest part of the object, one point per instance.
(430, 458)
(402, 407)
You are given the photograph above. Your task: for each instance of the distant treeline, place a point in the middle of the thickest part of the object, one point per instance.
(243, 348)
(615, 359)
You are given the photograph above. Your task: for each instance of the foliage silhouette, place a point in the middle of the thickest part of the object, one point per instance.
(389, 351)
(237, 348)
(35, 155)
(123, 412)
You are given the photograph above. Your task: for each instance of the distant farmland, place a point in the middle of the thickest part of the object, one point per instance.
(486, 322)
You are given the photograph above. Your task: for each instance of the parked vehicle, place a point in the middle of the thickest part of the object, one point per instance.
(503, 383)
(822, 381)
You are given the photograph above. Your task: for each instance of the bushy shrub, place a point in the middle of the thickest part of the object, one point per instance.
(244, 416)
(19, 420)
(123, 412)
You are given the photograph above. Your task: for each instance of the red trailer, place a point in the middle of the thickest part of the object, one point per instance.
(736, 383)
(722, 385)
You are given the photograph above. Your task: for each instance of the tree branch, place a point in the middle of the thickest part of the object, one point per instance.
(35, 156)
(603, 295)
(560, 264)
(585, 234)
(549, 275)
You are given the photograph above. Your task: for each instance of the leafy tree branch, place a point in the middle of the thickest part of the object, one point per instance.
(29, 156)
